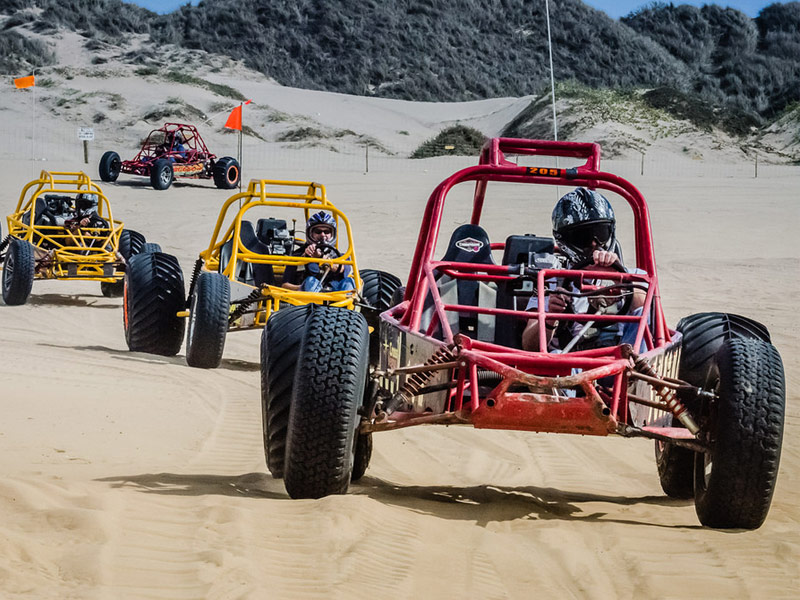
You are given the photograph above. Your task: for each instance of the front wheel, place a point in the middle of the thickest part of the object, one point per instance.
(734, 479)
(153, 297)
(161, 174)
(208, 321)
(18, 272)
(110, 166)
(226, 173)
(703, 335)
(328, 390)
(280, 350)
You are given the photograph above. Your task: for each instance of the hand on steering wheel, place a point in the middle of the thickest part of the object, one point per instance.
(602, 260)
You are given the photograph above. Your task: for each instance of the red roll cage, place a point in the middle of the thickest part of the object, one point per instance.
(597, 410)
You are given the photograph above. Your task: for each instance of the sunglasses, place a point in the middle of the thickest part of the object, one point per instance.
(582, 236)
(320, 230)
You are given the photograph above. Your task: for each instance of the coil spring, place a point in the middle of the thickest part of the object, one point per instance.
(195, 274)
(416, 381)
(244, 305)
(667, 396)
(5, 243)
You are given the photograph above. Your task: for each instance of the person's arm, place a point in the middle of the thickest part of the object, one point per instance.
(557, 303)
(530, 336)
(604, 258)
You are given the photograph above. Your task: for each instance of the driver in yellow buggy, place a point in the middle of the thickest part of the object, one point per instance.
(321, 233)
(257, 264)
(62, 228)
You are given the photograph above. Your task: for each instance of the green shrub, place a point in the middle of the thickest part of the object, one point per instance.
(458, 140)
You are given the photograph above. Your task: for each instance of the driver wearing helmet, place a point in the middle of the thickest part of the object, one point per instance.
(584, 228)
(86, 212)
(173, 146)
(321, 237)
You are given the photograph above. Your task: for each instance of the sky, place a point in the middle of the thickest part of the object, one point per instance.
(613, 8)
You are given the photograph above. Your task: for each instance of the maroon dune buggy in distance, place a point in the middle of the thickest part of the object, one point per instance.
(173, 150)
(710, 392)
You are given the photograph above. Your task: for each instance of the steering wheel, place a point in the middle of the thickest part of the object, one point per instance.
(327, 250)
(589, 260)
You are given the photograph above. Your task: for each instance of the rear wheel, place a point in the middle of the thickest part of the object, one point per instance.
(130, 243)
(18, 272)
(112, 289)
(379, 291)
(734, 479)
(226, 173)
(328, 390)
(208, 321)
(110, 166)
(280, 350)
(151, 247)
(153, 297)
(161, 174)
(703, 335)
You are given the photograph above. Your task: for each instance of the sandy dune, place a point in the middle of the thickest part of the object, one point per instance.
(134, 476)
(131, 476)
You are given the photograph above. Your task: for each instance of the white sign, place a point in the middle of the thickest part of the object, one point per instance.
(86, 133)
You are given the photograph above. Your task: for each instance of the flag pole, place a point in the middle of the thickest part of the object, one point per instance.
(552, 77)
(241, 171)
(33, 125)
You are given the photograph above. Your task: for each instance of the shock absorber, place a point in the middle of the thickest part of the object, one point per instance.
(195, 274)
(666, 394)
(244, 305)
(417, 380)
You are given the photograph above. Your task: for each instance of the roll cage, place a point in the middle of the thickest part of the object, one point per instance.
(304, 198)
(598, 391)
(160, 143)
(74, 253)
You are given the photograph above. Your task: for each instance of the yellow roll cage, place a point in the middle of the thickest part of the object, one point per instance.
(80, 253)
(258, 194)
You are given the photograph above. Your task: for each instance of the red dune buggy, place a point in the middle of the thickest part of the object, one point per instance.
(173, 150)
(710, 392)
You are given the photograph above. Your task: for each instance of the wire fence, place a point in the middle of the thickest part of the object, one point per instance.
(59, 143)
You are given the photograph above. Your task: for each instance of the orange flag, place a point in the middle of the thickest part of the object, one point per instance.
(24, 82)
(235, 118)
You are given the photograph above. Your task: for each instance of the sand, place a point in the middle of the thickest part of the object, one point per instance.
(135, 476)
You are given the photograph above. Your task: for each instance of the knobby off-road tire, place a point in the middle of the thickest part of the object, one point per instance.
(703, 335)
(735, 478)
(153, 297)
(18, 272)
(110, 166)
(379, 290)
(328, 390)
(208, 321)
(161, 174)
(226, 172)
(130, 243)
(151, 247)
(280, 351)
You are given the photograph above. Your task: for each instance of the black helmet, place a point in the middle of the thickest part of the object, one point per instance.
(581, 217)
(86, 204)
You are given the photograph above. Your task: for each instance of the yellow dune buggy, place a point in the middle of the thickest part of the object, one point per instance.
(62, 228)
(253, 267)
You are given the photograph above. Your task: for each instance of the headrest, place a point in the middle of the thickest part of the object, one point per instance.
(469, 244)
